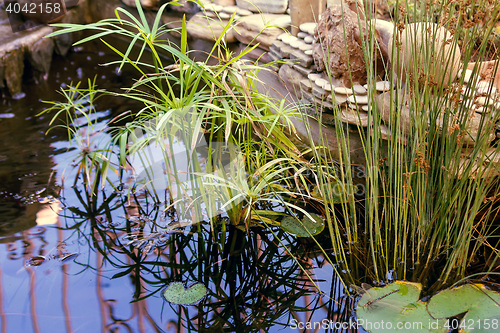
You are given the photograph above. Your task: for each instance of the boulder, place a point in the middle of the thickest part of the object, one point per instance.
(202, 27)
(426, 53)
(264, 6)
(344, 55)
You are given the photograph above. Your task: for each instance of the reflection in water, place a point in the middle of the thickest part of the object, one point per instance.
(84, 263)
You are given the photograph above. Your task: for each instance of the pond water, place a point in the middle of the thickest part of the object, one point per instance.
(71, 262)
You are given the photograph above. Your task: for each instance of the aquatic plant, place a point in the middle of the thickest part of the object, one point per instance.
(430, 209)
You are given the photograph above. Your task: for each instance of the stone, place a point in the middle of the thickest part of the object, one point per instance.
(226, 3)
(345, 56)
(487, 69)
(475, 125)
(148, 4)
(224, 16)
(354, 117)
(308, 52)
(264, 6)
(485, 87)
(343, 90)
(296, 43)
(383, 86)
(309, 39)
(355, 99)
(366, 108)
(302, 70)
(306, 85)
(484, 101)
(359, 89)
(414, 44)
(467, 75)
(327, 86)
(314, 76)
(319, 92)
(188, 7)
(40, 57)
(304, 47)
(339, 99)
(308, 27)
(291, 77)
(214, 7)
(264, 28)
(302, 35)
(320, 82)
(385, 29)
(289, 39)
(206, 28)
(302, 59)
(479, 109)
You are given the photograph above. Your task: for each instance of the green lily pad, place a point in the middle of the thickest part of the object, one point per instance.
(396, 308)
(176, 294)
(481, 304)
(304, 228)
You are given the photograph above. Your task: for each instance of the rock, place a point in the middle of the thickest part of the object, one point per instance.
(475, 126)
(267, 27)
(302, 35)
(309, 39)
(359, 89)
(314, 76)
(225, 3)
(341, 55)
(382, 86)
(264, 6)
(385, 29)
(306, 85)
(484, 101)
(188, 7)
(360, 100)
(40, 58)
(13, 65)
(487, 70)
(485, 87)
(467, 75)
(386, 109)
(302, 70)
(206, 28)
(354, 117)
(291, 77)
(342, 90)
(304, 47)
(308, 27)
(438, 60)
(301, 58)
(14, 48)
(308, 52)
(148, 4)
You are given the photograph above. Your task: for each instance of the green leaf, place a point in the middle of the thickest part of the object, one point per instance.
(304, 228)
(396, 308)
(482, 306)
(176, 294)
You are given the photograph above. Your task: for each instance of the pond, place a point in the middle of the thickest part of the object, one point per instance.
(75, 262)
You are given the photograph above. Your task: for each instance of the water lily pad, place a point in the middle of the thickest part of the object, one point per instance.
(176, 294)
(396, 308)
(304, 228)
(481, 304)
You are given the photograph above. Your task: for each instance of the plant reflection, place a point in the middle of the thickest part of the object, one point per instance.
(255, 279)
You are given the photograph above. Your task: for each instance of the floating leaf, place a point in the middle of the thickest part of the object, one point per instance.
(35, 261)
(304, 228)
(176, 294)
(396, 308)
(68, 257)
(482, 306)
